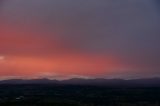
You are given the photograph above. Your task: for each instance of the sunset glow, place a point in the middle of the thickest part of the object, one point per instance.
(38, 39)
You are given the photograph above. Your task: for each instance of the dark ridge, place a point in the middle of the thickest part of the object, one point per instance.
(147, 82)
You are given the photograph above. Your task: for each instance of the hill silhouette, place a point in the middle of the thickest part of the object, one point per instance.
(147, 82)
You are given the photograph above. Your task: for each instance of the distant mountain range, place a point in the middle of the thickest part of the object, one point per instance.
(148, 82)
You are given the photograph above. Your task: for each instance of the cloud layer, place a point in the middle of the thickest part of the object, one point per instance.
(111, 37)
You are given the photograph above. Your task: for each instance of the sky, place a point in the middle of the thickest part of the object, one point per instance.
(60, 39)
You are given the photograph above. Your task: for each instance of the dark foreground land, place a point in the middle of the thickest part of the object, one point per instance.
(69, 95)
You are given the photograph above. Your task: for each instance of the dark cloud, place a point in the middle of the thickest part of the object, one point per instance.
(157, 3)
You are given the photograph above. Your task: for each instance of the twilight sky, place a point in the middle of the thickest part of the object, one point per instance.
(79, 38)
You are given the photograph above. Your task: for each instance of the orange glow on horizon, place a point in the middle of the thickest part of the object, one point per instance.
(63, 64)
(29, 52)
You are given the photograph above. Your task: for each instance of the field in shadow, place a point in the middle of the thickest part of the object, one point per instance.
(76, 95)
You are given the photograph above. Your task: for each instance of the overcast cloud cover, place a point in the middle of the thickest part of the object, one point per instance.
(129, 29)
